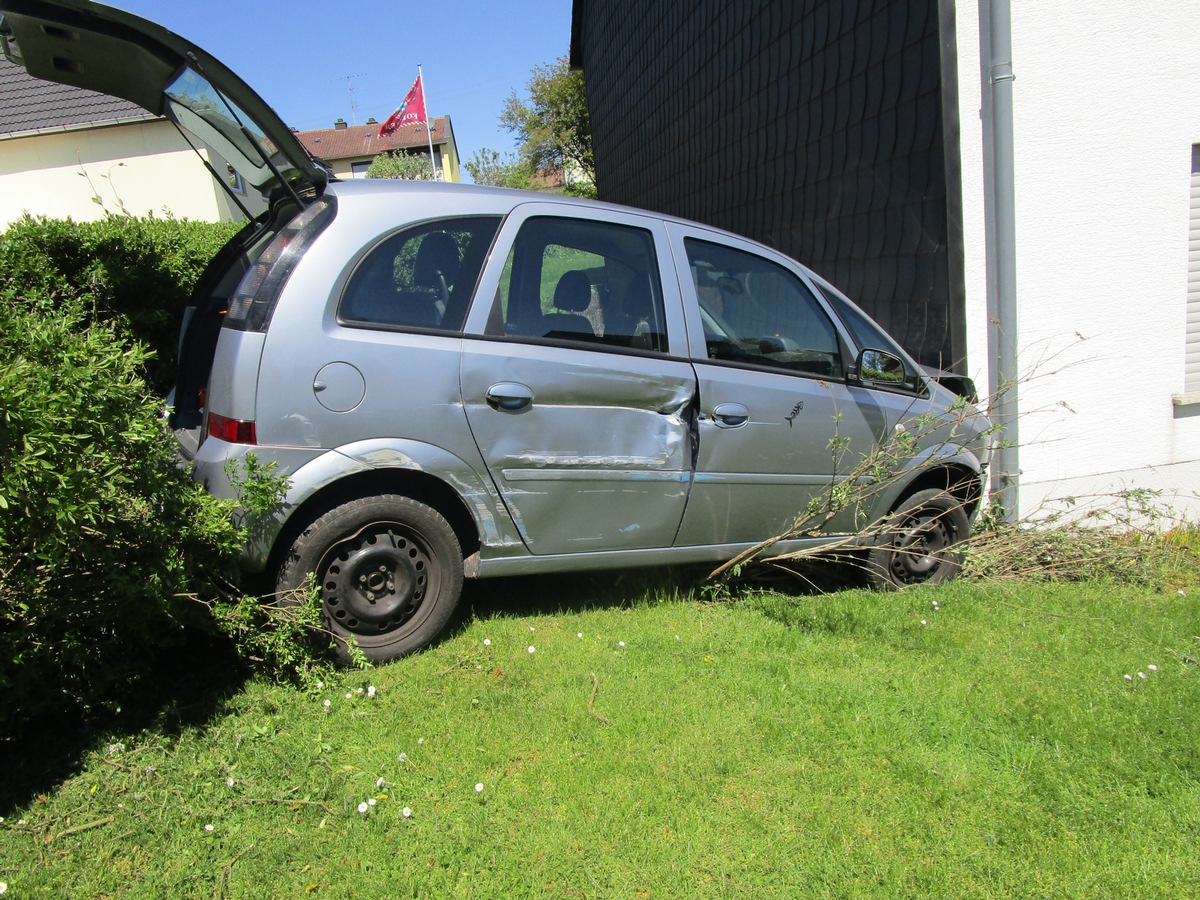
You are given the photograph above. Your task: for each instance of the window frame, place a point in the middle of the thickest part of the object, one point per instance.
(1191, 329)
(527, 268)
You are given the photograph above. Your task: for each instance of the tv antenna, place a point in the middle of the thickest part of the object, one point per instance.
(350, 89)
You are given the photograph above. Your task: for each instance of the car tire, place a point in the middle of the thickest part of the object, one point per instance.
(915, 543)
(388, 573)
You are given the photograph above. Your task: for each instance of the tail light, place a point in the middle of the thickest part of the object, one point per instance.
(232, 431)
(252, 303)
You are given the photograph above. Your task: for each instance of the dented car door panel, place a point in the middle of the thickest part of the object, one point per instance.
(598, 458)
(581, 416)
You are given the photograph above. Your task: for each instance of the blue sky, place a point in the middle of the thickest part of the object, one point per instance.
(303, 57)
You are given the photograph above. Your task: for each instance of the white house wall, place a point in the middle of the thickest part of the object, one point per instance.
(143, 168)
(1107, 108)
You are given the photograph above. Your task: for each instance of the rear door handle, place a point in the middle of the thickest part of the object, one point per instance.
(509, 396)
(730, 415)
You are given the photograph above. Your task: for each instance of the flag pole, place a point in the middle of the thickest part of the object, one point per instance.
(428, 124)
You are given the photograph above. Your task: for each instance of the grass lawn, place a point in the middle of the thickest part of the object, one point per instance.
(976, 740)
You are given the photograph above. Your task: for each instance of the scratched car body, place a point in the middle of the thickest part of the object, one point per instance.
(461, 381)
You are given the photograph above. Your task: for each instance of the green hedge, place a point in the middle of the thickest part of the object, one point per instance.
(136, 274)
(105, 542)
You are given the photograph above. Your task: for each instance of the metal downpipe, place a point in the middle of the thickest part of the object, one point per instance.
(995, 46)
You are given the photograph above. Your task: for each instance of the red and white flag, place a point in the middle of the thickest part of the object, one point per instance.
(410, 112)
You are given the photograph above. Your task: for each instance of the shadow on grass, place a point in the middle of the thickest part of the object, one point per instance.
(806, 577)
(187, 685)
(535, 595)
(190, 683)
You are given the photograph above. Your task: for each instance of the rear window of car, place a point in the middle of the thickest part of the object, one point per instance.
(582, 281)
(422, 277)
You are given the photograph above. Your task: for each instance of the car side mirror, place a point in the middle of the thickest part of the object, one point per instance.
(880, 367)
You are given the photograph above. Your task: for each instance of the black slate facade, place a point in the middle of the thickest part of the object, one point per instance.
(826, 129)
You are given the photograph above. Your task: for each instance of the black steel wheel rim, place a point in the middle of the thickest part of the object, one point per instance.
(918, 550)
(375, 580)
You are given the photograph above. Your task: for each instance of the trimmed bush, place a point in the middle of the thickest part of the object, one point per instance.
(134, 273)
(101, 531)
(109, 551)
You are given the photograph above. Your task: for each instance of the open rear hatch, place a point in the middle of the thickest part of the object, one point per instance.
(112, 52)
(88, 45)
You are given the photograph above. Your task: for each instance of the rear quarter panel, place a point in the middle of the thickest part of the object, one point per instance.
(397, 403)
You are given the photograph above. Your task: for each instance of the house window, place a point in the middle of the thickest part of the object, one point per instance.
(1191, 354)
(359, 169)
(236, 181)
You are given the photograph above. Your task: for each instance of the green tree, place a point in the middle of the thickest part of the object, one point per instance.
(552, 124)
(489, 167)
(411, 167)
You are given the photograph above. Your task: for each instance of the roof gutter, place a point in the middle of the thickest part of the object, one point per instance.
(995, 56)
(80, 126)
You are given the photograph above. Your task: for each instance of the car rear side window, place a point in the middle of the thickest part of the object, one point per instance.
(421, 277)
(756, 312)
(582, 281)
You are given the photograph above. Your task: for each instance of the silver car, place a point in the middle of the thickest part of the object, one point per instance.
(465, 382)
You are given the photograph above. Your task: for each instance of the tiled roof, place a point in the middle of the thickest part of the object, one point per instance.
(29, 104)
(363, 140)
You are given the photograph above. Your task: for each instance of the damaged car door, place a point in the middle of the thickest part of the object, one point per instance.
(582, 417)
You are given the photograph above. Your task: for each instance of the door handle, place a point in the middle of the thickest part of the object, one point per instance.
(730, 415)
(509, 396)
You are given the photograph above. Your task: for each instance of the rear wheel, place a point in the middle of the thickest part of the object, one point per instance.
(916, 542)
(388, 572)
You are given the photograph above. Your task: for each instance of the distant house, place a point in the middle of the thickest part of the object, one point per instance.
(348, 150)
(66, 152)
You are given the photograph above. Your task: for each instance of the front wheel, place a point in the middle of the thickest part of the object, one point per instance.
(915, 544)
(388, 571)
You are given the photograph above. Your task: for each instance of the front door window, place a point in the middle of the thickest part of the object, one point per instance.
(758, 313)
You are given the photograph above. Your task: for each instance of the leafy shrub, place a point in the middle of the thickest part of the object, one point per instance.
(100, 529)
(134, 272)
(109, 552)
(410, 167)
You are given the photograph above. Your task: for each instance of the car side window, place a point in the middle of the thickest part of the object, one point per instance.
(582, 281)
(757, 312)
(864, 332)
(421, 277)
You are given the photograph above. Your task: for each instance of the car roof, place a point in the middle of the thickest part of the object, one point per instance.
(499, 201)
